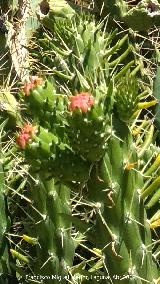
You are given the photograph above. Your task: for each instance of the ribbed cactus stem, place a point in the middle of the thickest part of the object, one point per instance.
(54, 247)
(121, 229)
(124, 70)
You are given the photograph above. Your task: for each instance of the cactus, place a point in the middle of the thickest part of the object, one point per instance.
(45, 149)
(113, 7)
(134, 17)
(54, 250)
(78, 59)
(50, 247)
(121, 230)
(76, 131)
(81, 135)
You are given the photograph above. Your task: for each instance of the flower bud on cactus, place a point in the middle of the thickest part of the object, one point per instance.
(87, 126)
(25, 135)
(83, 101)
(30, 84)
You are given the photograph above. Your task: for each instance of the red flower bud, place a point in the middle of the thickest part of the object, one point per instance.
(22, 140)
(83, 101)
(28, 129)
(33, 82)
(26, 133)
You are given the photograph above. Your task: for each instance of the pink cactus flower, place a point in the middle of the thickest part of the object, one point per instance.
(33, 82)
(83, 101)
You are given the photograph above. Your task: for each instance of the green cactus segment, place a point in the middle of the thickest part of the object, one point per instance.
(146, 11)
(78, 51)
(88, 132)
(151, 188)
(147, 141)
(55, 247)
(121, 223)
(127, 98)
(49, 10)
(154, 166)
(156, 93)
(88, 139)
(69, 166)
(46, 105)
(111, 6)
(57, 160)
(154, 199)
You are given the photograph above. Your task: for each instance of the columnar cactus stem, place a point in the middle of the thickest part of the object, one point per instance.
(55, 247)
(126, 238)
